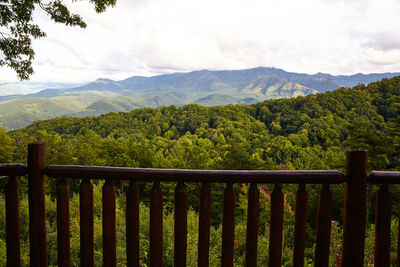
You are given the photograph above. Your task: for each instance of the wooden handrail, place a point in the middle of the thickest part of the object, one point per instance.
(13, 169)
(384, 177)
(183, 175)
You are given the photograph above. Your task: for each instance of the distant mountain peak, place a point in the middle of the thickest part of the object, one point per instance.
(104, 80)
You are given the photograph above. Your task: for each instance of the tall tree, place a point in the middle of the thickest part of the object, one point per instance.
(17, 29)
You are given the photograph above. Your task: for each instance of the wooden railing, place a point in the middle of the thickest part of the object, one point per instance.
(383, 213)
(354, 212)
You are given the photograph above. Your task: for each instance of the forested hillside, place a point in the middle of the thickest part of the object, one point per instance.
(311, 132)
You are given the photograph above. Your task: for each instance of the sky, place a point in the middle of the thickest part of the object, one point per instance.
(150, 37)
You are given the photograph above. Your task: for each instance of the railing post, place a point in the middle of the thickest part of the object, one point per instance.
(37, 215)
(355, 209)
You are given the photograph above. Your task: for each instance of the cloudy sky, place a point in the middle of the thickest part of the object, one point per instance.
(148, 37)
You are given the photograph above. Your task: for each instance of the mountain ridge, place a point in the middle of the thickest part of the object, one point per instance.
(216, 80)
(207, 87)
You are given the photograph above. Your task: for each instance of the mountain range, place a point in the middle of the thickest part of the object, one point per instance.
(209, 88)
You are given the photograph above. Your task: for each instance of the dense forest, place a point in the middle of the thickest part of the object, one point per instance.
(311, 132)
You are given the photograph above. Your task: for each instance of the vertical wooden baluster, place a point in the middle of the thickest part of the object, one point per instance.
(109, 239)
(228, 226)
(63, 233)
(86, 223)
(276, 227)
(37, 213)
(132, 225)
(382, 227)
(398, 237)
(253, 205)
(324, 220)
(355, 210)
(180, 227)
(12, 223)
(156, 226)
(300, 222)
(204, 226)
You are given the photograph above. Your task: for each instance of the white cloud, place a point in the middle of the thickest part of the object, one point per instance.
(146, 37)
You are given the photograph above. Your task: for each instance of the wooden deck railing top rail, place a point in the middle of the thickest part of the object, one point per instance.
(14, 169)
(235, 176)
(182, 175)
(384, 177)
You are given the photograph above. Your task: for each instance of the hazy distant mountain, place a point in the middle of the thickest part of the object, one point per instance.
(204, 87)
(18, 113)
(28, 87)
(264, 82)
(125, 103)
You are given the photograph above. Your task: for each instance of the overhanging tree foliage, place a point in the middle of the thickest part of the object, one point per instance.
(17, 29)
